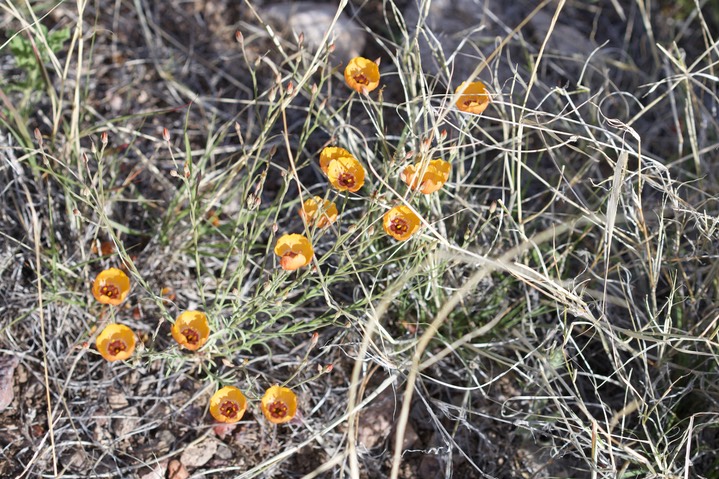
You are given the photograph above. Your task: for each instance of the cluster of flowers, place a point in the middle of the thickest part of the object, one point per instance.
(116, 342)
(345, 173)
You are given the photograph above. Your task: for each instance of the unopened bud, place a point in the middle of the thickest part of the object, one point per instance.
(301, 39)
(103, 139)
(239, 37)
(443, 135)
(251, 201)
(38, 136)
(274, 227)
(313, 340)
(290, 88)
(166, 134)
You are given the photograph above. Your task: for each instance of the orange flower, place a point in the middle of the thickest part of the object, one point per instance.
(362, 74)
(474, 97)
(436, 173)
(116, 342)
(346, 174)
(111, 286)
(191, 330)
(279, 404)
(228, 404)
(331, 153)
(295, 251)
(320, 212)
(401, 223)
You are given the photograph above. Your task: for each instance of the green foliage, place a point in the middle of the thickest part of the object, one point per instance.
(32, 59)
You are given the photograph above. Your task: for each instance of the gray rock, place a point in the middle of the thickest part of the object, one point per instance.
(313, 20)
(199, 454)
(457, 35)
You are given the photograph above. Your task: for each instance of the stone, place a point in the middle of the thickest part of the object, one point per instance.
(158, 472)
(7, 371)
(458, 35)
(199, 454)
(313, 20)
(127, 422)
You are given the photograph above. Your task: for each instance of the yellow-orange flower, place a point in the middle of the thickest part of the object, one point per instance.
(228, 404)
(362, 73)
(436, 173)
(319, 212)
(294, 250)
(331, 153)
(116, 342)
(474, 97)
(191, 330)
(111, 286)
(346, 174)
(279, 404)
(400, 223)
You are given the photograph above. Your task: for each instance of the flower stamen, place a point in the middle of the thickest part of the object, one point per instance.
(346, 180)
(278, 409)
(361, 79)
(110, 290)
(399, 226)
(193, 337)
(116, 347)
(229, 409)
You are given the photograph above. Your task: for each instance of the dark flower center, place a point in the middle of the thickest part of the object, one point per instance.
(361, 79)
(116, 347)
(399, 226)
(192, 336)
(229, 409)
(278, 409)
(346, 180)
(110, 290)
